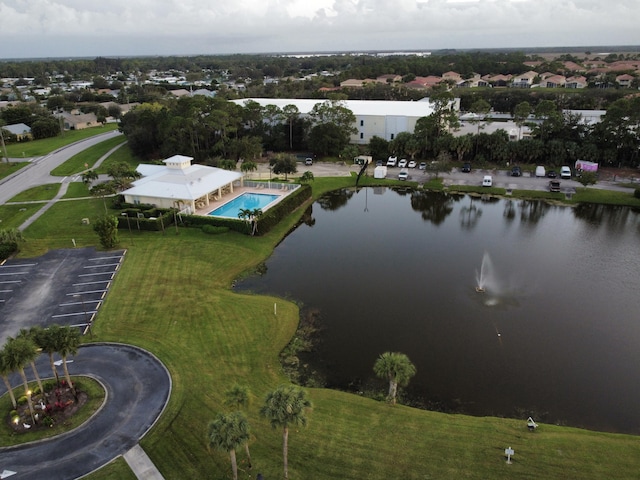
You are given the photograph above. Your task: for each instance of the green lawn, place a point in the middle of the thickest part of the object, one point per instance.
(12, 216)
(122, 155)
(77, 190)
(37, 148)
(87, 158)
(41, 192)
(173, 296)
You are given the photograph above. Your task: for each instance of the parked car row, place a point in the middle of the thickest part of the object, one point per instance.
(393, 161)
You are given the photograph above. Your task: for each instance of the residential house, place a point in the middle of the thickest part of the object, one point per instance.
(453, 77)
(20, 130)
(553, 81)
(424, 82)
(78, 121)
(624, 80)
(576, 82)
(355, 83)
(524, 80)
(389, 78)
(499, 80)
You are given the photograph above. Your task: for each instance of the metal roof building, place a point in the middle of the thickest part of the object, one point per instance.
(384, 119)
(180, 184)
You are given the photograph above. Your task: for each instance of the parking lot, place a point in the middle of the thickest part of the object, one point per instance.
(65, 287)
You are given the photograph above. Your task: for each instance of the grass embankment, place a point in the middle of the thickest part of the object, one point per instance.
(86, 159)
(39, 193)
(173, 297)
(41, 147)
(94, 390)
(7, 169)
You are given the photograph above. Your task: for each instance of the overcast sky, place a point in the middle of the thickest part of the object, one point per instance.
(90, 28)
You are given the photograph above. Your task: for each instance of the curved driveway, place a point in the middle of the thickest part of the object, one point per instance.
(38, 172)
(138, 387)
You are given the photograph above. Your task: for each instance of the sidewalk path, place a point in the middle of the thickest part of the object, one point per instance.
(141, 464)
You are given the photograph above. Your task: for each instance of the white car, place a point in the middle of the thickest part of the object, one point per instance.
(487, 181)
(403, 175)
(402, 163)
(392, 161)
(565, 172)
(412, 164)
(423, 165)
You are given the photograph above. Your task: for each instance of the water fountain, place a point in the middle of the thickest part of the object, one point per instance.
(485, 277)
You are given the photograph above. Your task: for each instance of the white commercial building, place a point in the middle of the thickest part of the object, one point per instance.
(384, 119)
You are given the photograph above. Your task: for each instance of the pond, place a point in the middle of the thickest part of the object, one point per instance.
(556, 333)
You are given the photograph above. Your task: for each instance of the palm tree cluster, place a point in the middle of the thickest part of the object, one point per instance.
(23, 350)
(285, 406)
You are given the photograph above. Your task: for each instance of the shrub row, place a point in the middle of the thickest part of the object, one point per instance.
(7, 249)
(150, 222)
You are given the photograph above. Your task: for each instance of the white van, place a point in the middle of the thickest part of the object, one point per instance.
(392, 161)
(487, 181)
(540, 171)
(565, 172)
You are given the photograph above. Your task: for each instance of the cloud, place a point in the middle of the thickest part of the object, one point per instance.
(33, 28)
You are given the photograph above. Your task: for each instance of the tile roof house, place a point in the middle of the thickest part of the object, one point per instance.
(624, 80)
(524, 80)
(554, 81)
(424, 82)
(389, 78)
(576, 82)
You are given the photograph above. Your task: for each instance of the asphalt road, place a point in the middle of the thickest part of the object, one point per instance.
(138, 388)
(38, 172)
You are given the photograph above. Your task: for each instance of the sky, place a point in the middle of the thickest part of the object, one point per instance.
(90, 28)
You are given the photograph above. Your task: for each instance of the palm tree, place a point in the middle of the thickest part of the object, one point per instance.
(237, 397)
(283, 407)
(5, 370)
(395, 367)
(228, 432)
(20, 351)
(28, 334)
(45, 340)
(67, 341)
(89, 177)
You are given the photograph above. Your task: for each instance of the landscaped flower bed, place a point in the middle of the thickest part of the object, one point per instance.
(52, 407)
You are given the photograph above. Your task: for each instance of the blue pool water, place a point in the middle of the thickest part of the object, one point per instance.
(247, 201)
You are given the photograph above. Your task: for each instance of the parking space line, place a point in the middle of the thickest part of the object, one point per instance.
(19, 266)
(102, 258)
(85, 293)
(89, 283)
(78, 303)
(97, 273)
(73, 314)
(6, 291)
(12, 281)
(15, 273)
(105, 265)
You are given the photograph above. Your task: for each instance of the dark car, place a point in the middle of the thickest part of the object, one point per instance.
(466, 168)
(552, 174)
(516, 171)
(554, 186)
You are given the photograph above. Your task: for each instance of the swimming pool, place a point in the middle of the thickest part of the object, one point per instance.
(246, 201)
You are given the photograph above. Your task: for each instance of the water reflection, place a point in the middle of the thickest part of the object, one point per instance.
(555, 335)
(434, 207)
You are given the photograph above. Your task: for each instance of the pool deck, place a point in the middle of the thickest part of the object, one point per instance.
(237, 191)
